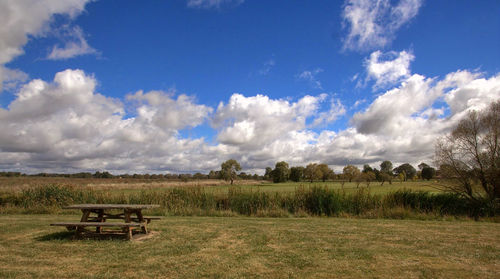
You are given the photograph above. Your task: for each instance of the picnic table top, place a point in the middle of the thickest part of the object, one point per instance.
(111, 206)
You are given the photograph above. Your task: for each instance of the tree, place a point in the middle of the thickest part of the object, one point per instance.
(296, 173)
(326, 172)
(281, 172)
(367, 168)
(268, 175)
(386, 167)
(350, 172)
(421, 166)
(407, 170)
(229, 169)
(385, 177)
(368, 177)
(428, 173)
(470, 156)
(312, 172)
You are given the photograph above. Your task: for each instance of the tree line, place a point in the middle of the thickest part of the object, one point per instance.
(282, 172)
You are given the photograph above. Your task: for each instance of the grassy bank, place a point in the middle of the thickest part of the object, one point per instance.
(194, 247)
(236, 200)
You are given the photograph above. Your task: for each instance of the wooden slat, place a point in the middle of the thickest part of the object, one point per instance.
(97, 224)
(111, 206)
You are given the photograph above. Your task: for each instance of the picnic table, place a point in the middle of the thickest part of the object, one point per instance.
(96, 215)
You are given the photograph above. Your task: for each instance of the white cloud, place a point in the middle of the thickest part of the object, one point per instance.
(372, 24)
(310, 76)
(159, 109)
(21, 19)
(251, 122)
(336, 110)
(388, 68)
(212, 4)
(65, 125)
(405, 122)
(75, 45)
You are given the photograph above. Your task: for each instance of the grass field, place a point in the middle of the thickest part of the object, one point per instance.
(137, 185)
(193, 247)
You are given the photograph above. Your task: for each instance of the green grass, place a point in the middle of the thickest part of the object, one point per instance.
(237, 247)
(349, 187)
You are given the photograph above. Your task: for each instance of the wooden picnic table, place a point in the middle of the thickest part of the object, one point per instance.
(131, 214)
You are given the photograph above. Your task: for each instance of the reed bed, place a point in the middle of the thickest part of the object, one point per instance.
(304, 201)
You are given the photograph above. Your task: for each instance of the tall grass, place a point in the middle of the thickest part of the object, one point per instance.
(308, 201)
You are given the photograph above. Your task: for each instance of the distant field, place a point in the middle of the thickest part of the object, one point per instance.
(136, 185)
(214, 247)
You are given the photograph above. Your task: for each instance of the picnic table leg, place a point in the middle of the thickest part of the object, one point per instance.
(128, 219)
(85, 217)
(100, 218)
(144, 228)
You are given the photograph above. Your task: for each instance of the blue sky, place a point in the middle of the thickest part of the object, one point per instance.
(259, 81)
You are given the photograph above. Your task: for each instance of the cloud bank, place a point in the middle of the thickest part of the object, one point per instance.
(65, 125)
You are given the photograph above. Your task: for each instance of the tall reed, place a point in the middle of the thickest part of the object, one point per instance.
(312, 201)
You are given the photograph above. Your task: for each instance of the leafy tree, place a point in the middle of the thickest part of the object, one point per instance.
(421, 166)
(281, 172)
(326, 172)
(196, 176)
(229, 169)
(296, 173)
(470, 156)
(268, 175)
(367, 168)
(214, 174)
(407, 170)
(428, 173)
(350, 172)
(312, 172)
(386, 167)
(368, 177)
(385, 177)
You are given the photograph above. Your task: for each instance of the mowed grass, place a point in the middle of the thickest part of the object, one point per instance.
(194, 247)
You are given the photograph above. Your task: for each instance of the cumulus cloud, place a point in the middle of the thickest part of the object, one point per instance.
(405, 120)
(336, 110)
(388, 68)
(65, 125)
(211, 4)
(21, 19)
(75, 45)
(158, 108)
(373, 24)
(254, 121)
(310, 76)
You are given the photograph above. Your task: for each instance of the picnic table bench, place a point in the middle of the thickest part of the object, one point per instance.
(130, 213)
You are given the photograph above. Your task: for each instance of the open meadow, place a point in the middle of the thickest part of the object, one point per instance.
(211, 229)
(236, 247)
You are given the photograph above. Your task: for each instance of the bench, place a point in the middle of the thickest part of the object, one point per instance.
(131, 214)
(79, 226)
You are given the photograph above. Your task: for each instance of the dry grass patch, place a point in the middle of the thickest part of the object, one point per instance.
(216, 247)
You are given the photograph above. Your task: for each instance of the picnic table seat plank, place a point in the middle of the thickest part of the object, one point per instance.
(97, 224)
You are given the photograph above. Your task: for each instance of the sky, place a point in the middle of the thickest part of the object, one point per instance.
(183, 85)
